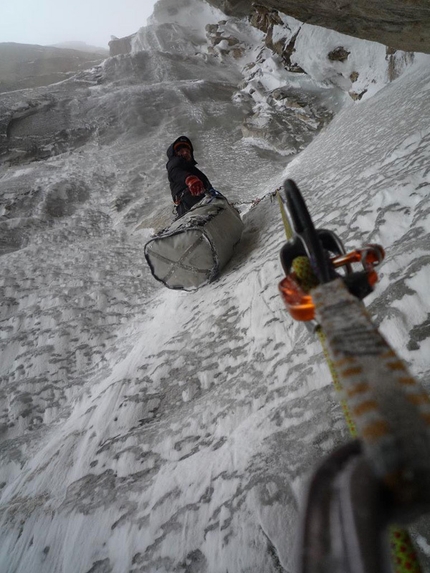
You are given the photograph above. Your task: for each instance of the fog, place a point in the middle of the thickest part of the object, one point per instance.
(49, 22)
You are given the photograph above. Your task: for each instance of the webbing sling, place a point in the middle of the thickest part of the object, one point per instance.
(392, 422)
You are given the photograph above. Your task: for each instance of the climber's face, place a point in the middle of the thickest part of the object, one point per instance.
(184, 152)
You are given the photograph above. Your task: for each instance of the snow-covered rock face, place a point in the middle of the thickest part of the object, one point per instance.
(148, 430)
(401, 24)
(359, 68)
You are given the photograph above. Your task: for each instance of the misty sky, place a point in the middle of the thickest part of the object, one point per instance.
(48, 22)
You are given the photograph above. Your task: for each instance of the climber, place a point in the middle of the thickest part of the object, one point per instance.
(187, 183)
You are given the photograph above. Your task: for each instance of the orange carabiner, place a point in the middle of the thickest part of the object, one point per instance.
(370, 256)
(299, 304)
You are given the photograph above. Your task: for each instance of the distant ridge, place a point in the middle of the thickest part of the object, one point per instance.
(82, 47)
(29, 65)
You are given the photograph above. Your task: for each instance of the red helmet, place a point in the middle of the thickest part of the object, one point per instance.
(180, 144)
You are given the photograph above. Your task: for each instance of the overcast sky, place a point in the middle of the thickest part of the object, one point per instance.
(48, 22)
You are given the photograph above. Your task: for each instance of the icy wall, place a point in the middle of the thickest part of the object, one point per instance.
(148, 430)
(400, 24)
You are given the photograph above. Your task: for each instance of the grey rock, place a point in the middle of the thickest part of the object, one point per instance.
(119, 46)
(338, 54)
(398, 23)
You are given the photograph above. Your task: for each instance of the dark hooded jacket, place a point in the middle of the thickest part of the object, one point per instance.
(178, 169)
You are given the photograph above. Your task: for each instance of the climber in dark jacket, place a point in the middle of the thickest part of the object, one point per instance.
(187, 183)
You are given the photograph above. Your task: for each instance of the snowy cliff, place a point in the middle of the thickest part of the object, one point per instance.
(149, 430)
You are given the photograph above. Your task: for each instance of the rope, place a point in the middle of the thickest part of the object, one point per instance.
(403, 555)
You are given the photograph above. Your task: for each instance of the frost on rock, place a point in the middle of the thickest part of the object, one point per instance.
(144, 429)
(358, 67)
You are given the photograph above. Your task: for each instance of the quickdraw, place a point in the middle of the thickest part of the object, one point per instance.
(300, 304)
(383, 478)
(326, 254)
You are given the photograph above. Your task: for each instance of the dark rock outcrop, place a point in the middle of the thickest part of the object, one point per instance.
(237, 8)
(338, 54)
(402, 24)
(118, 46)
(222, 42)
(266, 19)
